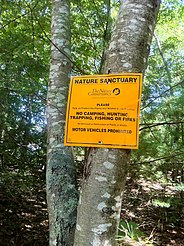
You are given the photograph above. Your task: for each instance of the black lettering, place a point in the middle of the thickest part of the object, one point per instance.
(117, 118)
(79, 129)
(78, 113)
(103, 104)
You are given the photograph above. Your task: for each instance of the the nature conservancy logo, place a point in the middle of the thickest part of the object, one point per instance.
(104, 92)
(116, 91)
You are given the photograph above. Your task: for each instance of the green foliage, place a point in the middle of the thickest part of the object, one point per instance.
(130, 234)
(88, 45)
(22, 88)
(161, 151)
(160, 203)
(24, 63)
(129, 229)
(161, 137)
(180, 187)
(167, 202)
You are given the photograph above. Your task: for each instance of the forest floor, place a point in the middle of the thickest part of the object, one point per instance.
(162, 223)
(24, 222)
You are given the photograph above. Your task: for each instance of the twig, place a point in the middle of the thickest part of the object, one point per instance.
(160, 124)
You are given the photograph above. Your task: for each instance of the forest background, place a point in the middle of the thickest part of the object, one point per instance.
(154, 194)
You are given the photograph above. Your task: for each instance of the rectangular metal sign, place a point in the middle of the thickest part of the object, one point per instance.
(103, 111)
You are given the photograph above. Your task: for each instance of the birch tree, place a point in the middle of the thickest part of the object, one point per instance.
(62, 195)
(105, 171)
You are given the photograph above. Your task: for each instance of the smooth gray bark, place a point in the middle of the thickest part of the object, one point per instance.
(62, 195)
(105, 173)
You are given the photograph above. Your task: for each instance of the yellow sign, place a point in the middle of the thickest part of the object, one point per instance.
(103, 111)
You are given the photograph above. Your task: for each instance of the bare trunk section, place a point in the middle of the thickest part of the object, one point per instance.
(105, 174)
(62, 196)
(101, 196)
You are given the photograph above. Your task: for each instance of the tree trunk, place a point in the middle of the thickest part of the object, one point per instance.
(105, 173)
(62, 195)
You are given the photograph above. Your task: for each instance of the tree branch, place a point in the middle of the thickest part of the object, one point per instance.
(13, 20)
(159, 124)
(163, 59)
(61, 51)
(160, 158)
(18, 17)
(154, 98)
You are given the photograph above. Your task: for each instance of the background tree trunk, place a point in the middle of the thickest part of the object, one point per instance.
(62, 194)
(105, 173)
